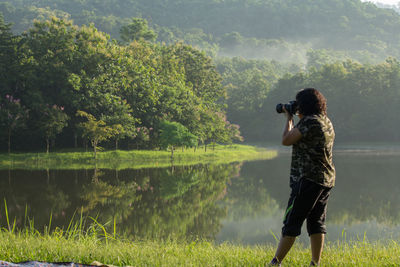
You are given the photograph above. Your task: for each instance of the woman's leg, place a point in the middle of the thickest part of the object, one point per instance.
(317, 245)
(285, 244)
(316, 226)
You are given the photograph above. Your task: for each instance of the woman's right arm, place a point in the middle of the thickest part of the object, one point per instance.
(290, 134)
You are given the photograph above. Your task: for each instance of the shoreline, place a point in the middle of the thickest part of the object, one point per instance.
(133, 159)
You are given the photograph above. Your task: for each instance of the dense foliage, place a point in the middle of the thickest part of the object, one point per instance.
(59, 79)
(272, 29)
(362, 99)
(263, 52)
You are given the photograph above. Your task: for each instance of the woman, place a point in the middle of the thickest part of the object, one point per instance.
(312, 173)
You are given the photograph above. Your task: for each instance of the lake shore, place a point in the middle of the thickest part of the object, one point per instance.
(86, 248)
(134, 159)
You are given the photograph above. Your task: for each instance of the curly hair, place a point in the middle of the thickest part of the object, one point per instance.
(311, 102)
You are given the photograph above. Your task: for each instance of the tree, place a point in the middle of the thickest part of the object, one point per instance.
(131, 87)
(52, 122)
(124, 123)
(201, 75)
(223, 131)
(137, 30)
(234, 132)
(231, 40)
(142, 136)
(96, 130)
(105, 101)
(9, 59)
(173, 134)
(12, 116)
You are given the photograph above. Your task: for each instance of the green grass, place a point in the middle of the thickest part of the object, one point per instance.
(86, 243)
(134, 159)
(60, 246)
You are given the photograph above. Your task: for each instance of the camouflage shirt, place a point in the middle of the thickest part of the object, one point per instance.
(312, 154)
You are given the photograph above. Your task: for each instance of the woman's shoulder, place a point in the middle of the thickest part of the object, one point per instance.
(310, 120)
(318, 118)
(315, 122)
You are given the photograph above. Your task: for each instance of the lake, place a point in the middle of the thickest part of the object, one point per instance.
(241, 203)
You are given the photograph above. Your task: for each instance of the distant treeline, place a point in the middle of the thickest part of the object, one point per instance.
(269, 29)
(136, 85)
(363, 101)
(68, 83)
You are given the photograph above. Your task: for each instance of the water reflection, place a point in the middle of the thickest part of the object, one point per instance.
(176, 202)
(366, 199)
(240, 202)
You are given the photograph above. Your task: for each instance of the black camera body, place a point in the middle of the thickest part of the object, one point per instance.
(291, 107)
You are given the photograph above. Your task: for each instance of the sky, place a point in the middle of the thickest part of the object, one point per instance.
(388, 2)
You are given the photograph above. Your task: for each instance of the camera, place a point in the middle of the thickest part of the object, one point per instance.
(291, 107)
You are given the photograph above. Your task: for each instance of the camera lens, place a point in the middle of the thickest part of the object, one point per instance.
(279, 108)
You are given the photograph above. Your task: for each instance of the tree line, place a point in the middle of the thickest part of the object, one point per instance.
(75, 85)
(137, 93)
(269, 29)
(363, 100)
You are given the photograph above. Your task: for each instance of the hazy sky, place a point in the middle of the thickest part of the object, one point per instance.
(389, 2)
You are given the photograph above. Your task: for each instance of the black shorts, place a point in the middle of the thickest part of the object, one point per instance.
(308, 200)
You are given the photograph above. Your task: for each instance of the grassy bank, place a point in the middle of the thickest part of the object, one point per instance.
(87, 248)
(134, 159)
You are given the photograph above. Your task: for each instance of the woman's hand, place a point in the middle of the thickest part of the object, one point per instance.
(288, 115)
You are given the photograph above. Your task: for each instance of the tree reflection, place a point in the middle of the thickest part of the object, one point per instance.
(248, 197)
(193, 201)
(367, 188)
(32, 195)
(109, 201)
(159, 203)
(180, 203)
(370, 191)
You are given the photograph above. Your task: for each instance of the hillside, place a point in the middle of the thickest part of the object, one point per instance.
(248, 28)
(262, 52)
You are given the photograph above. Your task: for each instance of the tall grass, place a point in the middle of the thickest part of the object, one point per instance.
(86, 241)
(87, 247)
(134, 159)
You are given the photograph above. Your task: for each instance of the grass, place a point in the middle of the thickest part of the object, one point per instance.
(80, 247)
(84, 244)
(134, 159)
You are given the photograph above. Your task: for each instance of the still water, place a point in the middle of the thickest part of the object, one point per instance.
(241, 203)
